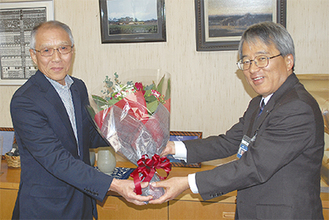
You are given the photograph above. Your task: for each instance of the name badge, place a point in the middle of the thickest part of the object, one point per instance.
(243, 146)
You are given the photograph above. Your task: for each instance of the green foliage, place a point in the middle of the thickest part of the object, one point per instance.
(167, 96)
(115, 91)
(152, 106)
(99, 101)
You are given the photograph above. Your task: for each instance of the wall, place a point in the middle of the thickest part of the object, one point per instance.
(208, 93)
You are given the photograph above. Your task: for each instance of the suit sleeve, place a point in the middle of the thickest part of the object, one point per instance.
(288, 132)
(215, 147)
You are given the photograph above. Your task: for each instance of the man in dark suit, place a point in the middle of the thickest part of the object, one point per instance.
(279, 148)
(54, 133)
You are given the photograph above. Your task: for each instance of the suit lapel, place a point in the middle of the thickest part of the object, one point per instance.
(274, 102)
(54, 100)
(78, 115)
(53, 97)
(252, 117)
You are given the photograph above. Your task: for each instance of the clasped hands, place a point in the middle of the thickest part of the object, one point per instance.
(173, 186)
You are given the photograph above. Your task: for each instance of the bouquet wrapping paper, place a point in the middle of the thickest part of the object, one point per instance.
(135, 118)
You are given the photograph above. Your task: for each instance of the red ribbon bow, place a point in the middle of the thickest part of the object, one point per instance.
(147, 168)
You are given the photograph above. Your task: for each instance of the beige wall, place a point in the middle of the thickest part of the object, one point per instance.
(208, 93)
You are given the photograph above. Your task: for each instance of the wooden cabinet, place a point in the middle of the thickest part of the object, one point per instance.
(116, 207)
(200, 210)
(7, 202)
(185, 206)
(9, 183)
(325, 205)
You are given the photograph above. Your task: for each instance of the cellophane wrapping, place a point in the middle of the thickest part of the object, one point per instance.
(134, 117)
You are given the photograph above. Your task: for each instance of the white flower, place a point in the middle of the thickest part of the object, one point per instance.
(123, 90)
(105, 107)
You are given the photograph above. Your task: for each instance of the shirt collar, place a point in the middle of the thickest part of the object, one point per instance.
(266, 99)
(68, 82)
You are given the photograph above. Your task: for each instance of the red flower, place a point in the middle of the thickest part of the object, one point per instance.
(139, 87)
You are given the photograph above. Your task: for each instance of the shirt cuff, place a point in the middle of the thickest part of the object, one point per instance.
(180, 150)
(192, 183)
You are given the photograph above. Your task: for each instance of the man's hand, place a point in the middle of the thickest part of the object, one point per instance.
(173, 187)
(170, 149)
(126, 189)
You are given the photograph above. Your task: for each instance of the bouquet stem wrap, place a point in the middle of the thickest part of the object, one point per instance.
(137, 126)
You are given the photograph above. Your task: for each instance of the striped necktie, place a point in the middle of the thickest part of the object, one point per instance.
(261, 107)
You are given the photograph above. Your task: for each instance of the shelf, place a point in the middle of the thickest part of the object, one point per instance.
(318, 86)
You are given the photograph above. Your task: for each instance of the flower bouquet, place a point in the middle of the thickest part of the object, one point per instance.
(134, 118)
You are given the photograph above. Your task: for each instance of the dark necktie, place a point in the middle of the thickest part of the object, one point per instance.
(261, 107)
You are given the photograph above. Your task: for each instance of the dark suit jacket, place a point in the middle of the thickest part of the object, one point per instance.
(55, 183)
(279, 176)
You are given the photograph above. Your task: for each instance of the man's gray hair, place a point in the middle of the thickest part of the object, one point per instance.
(269, 33)
(50, 24)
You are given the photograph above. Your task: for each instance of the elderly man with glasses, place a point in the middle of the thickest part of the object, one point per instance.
(279, 141)
(54, 135)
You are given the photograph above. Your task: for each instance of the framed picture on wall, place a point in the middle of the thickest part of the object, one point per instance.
(220, 23)
(17, 20)
(132, 21)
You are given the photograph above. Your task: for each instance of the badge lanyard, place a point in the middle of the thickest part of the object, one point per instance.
(246, 140)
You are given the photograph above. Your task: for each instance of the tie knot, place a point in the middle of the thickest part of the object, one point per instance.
(262, 104)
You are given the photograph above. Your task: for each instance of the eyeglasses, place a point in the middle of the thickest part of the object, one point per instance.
(47, 52)
(261, 61)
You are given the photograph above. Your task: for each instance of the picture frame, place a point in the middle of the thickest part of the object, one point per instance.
(17, 20)
(132, 23)
(183, 136)
(9, 139)
(220, 23)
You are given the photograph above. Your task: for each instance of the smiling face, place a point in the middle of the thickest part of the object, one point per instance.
(57, 66)
(266, 80)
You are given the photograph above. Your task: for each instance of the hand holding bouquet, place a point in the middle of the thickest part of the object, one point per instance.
(134, 118)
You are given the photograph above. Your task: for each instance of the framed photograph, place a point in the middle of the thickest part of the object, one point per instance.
(132, 21)
(8, 135)
(183, 136)
(220, 23)
(16, 22)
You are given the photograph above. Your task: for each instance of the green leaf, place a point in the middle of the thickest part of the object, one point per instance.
(159, 87)
(147, 93)
(152, 106)
(112, 101)
(150, 98)
(130, 83)
(167, 96)
(99, 100)
(149, 87)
